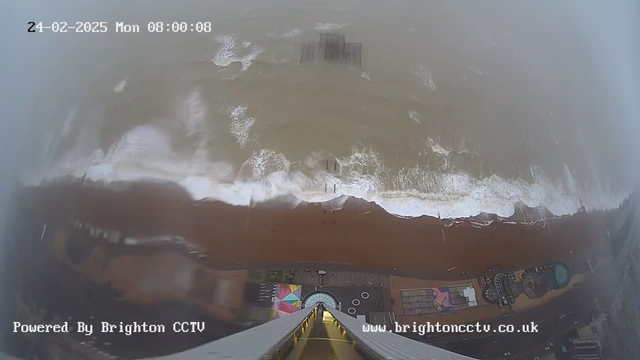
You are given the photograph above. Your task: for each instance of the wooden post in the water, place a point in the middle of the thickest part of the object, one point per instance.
(444, 238)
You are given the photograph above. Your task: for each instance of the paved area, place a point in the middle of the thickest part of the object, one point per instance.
(338, 278)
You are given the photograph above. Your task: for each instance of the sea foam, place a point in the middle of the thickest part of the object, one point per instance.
(226, 54)
(240, 124)
(145, 153)
(330, 26)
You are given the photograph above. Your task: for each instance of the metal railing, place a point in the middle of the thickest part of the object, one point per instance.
(269, 341)
(274, 339)
(377, 345)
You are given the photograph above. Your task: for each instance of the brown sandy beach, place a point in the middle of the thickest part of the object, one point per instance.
(361, 234)
(360, 237)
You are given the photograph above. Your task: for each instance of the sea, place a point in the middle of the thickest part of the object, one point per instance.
(457, 107)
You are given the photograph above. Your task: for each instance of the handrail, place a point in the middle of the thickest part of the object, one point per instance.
(269, 341)
(387, 345)
(272, 340)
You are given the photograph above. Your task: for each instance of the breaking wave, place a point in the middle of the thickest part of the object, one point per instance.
(226, 54)
(145, 153)
(240, 124)
(330, 26)
(286, 34)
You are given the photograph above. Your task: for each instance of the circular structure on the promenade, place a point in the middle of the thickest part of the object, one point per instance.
(351, 311)
(502, 289)
(355, 302)
(364, 295)
(320, 297)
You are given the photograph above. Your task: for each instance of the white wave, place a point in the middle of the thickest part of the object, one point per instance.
(292, 33)
(460, 194)
(366, 75)
(139, 144)
(240, 124)
(248, 59)
(226, 55)
(145, 153)
(68, 122)
(330, 26)
(193, 113)
(436, 148)
(286, 34)
(142, 142)
(264, 162)
(425, 77)
(120, 86)
(414, 116)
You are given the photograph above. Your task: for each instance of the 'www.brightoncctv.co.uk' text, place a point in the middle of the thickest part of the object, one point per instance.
(428, 327)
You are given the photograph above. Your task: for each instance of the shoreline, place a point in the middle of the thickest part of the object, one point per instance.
(361, 234)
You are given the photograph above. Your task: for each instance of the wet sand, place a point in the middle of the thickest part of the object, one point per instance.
(361, 234)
